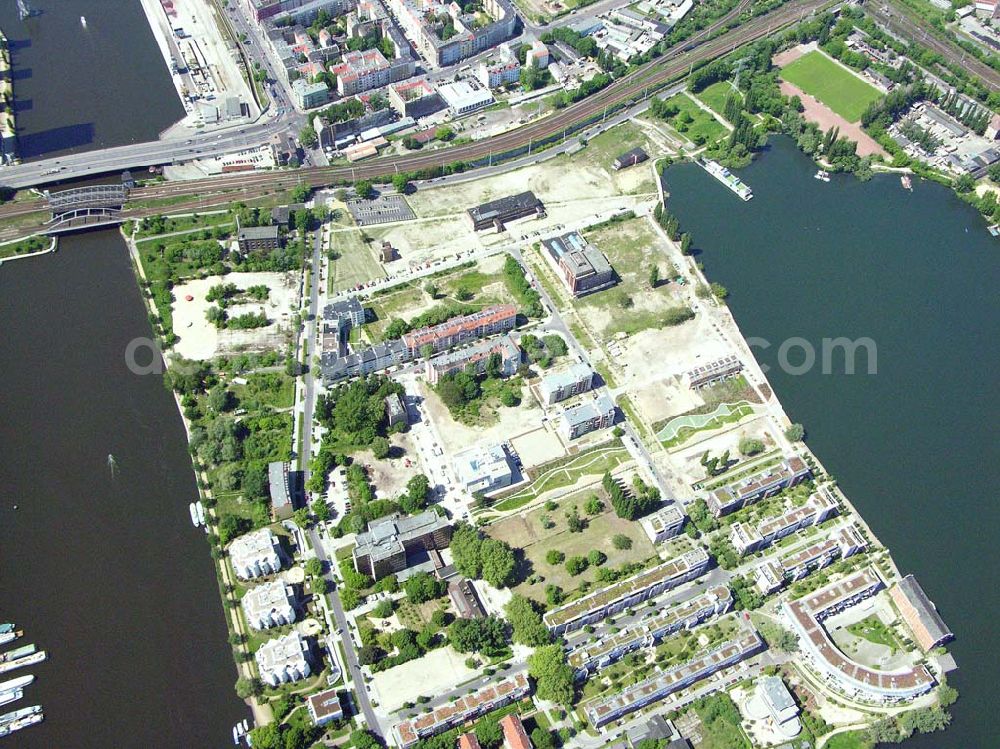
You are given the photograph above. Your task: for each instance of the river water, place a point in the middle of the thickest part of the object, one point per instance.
(914, 446)
(104, 571)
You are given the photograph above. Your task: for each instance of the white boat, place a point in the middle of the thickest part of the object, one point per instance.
(822, 175)
(200, 509)
(29, 660)
(20, 681)
(12, 696)
(8, 637)
(17, 725)
(905, 182)
(245, 725)
(236, 737)
(24, 712)
(83, 21)
(194, 515)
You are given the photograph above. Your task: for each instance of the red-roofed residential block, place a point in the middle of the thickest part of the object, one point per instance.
(514, 735)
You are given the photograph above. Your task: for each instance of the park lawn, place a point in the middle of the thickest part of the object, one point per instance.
(703, 128)
(849, 740)
(715, 95)
(355, 262)
(832, 84)
(872, 629)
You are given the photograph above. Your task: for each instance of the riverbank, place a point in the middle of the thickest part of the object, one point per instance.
(8, 128)
(912, 445)
(21, 249)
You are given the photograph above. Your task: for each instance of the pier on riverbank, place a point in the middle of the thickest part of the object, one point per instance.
(8, 133)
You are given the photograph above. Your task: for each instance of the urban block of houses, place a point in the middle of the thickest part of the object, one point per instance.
(424, 22)
(496, 213)
(256, 554)
(757, 486)
(742, 644)
(589, 416)
(468, 741)
(688, 613)
(483, 468)
(415, 98)
(325, 707)
(462, 98)
(383, 548)
(301, 11)
(499, 318)
(462, 710)
(853, 679)
(364, 70)
(283, 659)
(280, 487)
(270, 604)
(565, 383)
(500, 69)
(716, 371)
(308, 95)
(620, 595)
(665, 523)
(583, 268)
(920, 613)
(819, 507)
(477, 356)
(538, 55)
(338, 319)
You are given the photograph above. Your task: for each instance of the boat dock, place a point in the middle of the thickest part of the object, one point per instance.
(727, 178)
(8, 134)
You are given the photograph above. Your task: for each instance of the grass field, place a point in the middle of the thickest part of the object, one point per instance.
(872, 629)
(702, 129)
(832, 84)
(355, 263)
(715, 95)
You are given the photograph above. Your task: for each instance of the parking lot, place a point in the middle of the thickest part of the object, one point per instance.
(385, 209)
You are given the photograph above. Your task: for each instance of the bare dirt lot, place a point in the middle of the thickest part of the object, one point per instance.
(200, 339)
(822, 115)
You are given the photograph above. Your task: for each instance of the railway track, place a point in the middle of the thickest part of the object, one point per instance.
(214, 191)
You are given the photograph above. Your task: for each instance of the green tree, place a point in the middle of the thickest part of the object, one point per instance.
(417, 490)
(489, 733)
(553, 676)
(526, 622)
(308, 137)
(654, 276)
(424, 586)
(363, 189)
(246, 688)
(574, 522)
(594, 505)
(621, 542)
(751, 446)
(362, 739)
(266, 737)
(300, 193)
(596, 557)
(576, 565)
(554, 556)
(401, 183)
(313, 567)
(384, 608)
(685, 243)
(795, 433)
(380, 448)
(488, 635)
(301, 517)
(321, 510)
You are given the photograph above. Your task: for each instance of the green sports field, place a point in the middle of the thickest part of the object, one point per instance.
(839, 89)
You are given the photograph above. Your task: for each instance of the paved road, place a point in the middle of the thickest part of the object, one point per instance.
(632, 87)
(309, 347)
(352, 665)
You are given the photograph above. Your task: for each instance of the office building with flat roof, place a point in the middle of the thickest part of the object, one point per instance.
(496, 213)
(753, 488)
(270, 604)
(462, 98)
(309, 95)
(589, 416)
(920, 613)
(685, 614)
(415, 98)
(395, 410)
(848, 677)
(772, 694)
(283, 659)
(558, 386)
(382, 549)
(256, 554)
(600, 604)
(280, 487)
(583, 268)
(742, 644)
(665, 523)
(477, 356)
(461, 711)
(483, 468)
(257, 238)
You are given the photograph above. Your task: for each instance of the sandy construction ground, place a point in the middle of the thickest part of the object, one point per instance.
(822, 115)
(537, 447)
(511, 422)
(437, 672)
(200, 339)
(687, 461)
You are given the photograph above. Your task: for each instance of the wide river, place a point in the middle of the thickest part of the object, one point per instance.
(914, 446)
(101, 568)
